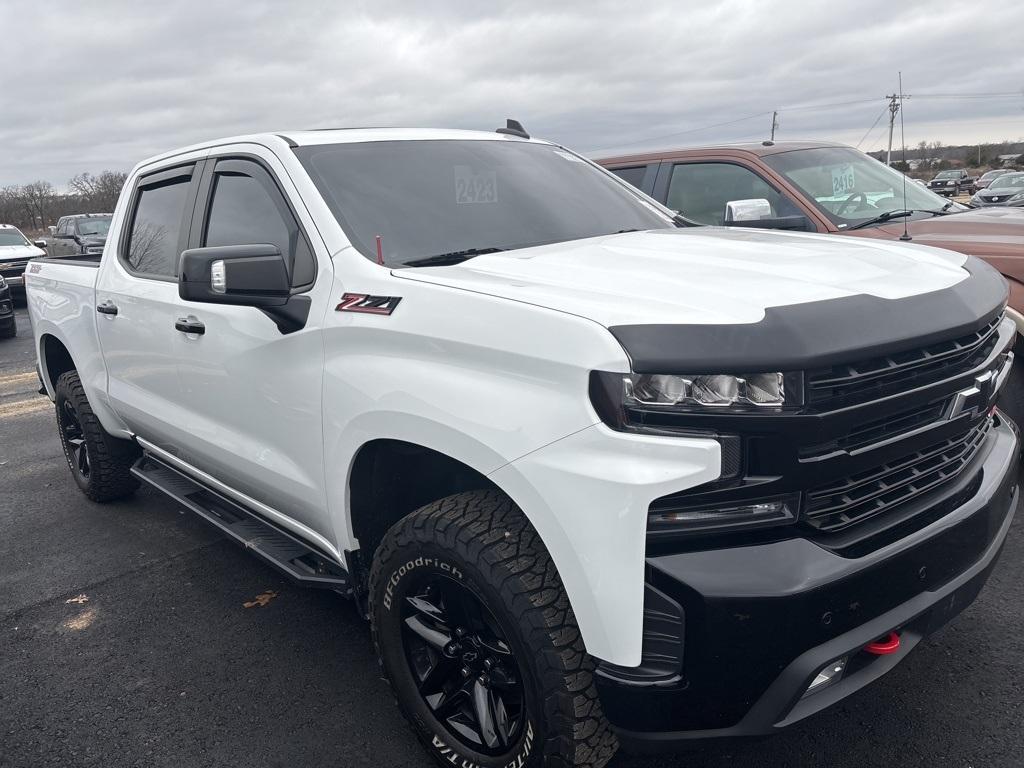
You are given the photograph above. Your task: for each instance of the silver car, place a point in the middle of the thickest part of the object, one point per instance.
(1007, 190)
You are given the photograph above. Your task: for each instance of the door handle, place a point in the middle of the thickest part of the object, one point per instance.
(107, 308)
(190, 325)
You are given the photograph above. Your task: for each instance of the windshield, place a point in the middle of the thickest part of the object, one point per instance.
(993, 175)
(849, 187)
(12, 237)
(94, 226)
(429, 198)
(1013, 180)
(949, 175)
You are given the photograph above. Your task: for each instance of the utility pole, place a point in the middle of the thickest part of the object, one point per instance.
(894, 107)
(775, 124)
(895, 103)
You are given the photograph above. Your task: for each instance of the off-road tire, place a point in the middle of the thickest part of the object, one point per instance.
(500, 558)
(110, 459)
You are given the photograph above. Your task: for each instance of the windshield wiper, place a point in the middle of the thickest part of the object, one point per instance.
(453, 257)
(884, 217)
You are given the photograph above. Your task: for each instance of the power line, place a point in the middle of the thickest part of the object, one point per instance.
(869, 130)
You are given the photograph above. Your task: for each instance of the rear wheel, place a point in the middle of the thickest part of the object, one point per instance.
(476, 637)
(100, 463)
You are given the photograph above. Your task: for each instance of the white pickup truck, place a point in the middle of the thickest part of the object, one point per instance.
(592, 477)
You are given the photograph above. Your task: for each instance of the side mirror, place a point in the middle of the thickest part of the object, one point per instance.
(52, 229)
(62, 236)
(757, 214)
(245, 275)
(747, 210)
(39, 244)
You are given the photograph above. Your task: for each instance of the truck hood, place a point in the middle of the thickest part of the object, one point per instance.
(994, 234)
(19, 252)
(700, 276)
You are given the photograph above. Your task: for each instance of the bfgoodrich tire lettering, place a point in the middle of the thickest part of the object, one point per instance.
(99, 463)
(477, 548)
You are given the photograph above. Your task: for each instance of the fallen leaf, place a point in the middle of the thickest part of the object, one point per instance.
(78, 599)
(261, 599)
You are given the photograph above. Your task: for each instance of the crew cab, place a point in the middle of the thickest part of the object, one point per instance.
(15, 252)
(77, 235)
(593, 477)
(831, 189)
(952, 183)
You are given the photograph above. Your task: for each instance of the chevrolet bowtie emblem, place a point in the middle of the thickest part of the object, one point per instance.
(975, 399)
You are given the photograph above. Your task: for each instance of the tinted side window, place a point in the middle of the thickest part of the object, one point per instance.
(700, 191)
(246, 208)
(634, 176)
(154, 241)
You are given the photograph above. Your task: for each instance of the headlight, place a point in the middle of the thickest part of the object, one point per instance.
(1018, 196)
(682, 402)
(708, 390)
(3, 283)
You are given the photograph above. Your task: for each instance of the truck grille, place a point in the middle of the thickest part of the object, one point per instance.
(857, 382)
(839, 505)
(13, 268)
(873, 432)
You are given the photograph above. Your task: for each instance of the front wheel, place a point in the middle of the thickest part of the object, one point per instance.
(475, 634)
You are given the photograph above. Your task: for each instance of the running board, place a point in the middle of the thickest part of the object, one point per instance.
(288, 553)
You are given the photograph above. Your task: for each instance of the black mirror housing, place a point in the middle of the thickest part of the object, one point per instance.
(244, 275)
(796, 223)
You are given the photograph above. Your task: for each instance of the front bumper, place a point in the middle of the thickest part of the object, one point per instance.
(757, 623)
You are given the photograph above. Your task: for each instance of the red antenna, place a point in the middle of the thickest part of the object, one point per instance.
(380, 252)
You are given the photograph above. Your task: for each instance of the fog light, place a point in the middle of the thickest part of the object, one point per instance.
(831, 673)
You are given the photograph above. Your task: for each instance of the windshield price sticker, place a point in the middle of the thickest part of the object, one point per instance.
(475, 187)
(843, 180)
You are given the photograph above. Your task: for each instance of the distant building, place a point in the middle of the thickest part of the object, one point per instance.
(1007, 160)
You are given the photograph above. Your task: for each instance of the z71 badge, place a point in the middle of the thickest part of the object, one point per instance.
(371, 305)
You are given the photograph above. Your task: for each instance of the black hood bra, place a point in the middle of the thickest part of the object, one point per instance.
(819, 333)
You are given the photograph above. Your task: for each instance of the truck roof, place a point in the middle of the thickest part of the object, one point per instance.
(302, 138)
(760, 148)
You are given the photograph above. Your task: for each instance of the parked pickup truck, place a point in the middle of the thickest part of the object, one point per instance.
(592, 477)
(77, 235)
(831, 189)
(953, 183)
(15, 252)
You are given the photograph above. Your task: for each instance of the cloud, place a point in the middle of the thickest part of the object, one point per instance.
(105, 84)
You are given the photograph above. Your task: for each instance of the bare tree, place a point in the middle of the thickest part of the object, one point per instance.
(37, 198)
(99, 192)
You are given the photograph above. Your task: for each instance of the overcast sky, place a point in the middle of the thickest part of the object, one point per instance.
(101, 85)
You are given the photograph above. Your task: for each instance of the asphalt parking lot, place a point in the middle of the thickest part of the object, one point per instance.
(126, 640)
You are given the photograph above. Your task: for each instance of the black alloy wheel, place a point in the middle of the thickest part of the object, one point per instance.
(465, 669)
(74, 439)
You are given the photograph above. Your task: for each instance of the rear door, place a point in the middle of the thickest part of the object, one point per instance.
(61, 241)
(137, 304)
(250, 395)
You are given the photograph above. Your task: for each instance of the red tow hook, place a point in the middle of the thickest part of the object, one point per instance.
(891, 644)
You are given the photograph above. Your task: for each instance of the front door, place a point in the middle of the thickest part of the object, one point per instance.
(250, 395)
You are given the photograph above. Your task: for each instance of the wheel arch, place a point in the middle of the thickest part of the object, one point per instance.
(55, 359)
(475, 467)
